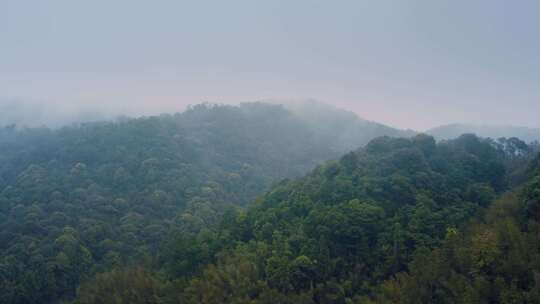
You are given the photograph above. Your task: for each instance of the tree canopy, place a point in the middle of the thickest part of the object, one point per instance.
(221, 204)
(87, 198)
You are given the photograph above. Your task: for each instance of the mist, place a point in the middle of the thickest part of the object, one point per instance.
(319, 114)
(243, 151)
(28, 113)
(52, 115)
(405, 64)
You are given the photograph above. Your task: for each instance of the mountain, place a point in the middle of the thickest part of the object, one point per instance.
(352, 222)
(90, 197)
(334, 236)
(494, 259)
(454, 130)
(221, 204)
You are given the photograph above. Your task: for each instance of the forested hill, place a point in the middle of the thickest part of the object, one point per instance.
(83, 199)
(495, 259)
(338, 235)
(351, 223)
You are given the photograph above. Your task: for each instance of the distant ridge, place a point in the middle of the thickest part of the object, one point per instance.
(454, 130)
(345, 129)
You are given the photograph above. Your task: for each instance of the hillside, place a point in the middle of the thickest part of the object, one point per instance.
(454, 130)
(332, 236)
(494, 259)
(84, 199)
(354, 222)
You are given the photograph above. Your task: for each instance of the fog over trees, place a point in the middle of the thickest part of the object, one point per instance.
(259, 202)
(453, 130)
(53, 115)
(269, 152)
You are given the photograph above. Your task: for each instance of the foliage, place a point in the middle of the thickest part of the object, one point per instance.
(169, 209)
(337, 234)
(93, 197)
(495, 260)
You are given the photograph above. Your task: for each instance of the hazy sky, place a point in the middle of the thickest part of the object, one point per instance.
(412, 64)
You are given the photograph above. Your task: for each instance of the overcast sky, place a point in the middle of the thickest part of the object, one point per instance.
(411, 64)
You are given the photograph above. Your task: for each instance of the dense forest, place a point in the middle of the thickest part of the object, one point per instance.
(269, 152)
(88, 198)
(494, 259)
(339, 235)
(400, 221)
(221, 204)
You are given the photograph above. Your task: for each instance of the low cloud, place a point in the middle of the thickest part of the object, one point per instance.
(50, 114)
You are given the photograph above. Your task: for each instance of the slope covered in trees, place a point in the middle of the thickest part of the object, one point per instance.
(338, 235)
(84, 199)
(334, 234)
(496, 259)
